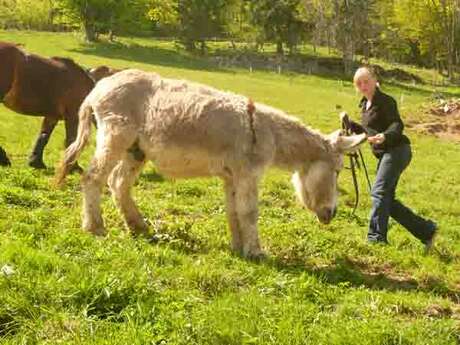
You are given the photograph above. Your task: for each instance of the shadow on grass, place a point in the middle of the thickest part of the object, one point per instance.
(180, 59)
(151, 175)
(355, 273)
(152, 55)
(420, 90)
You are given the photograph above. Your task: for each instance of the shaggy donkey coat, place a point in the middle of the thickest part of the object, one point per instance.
(192, 130)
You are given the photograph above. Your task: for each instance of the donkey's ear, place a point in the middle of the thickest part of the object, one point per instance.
(345, 144)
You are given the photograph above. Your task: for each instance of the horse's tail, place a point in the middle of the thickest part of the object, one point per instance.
(74, 150)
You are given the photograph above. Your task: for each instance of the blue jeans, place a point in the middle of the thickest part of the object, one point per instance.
(384, 204)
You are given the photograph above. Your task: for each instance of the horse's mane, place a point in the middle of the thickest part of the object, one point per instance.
(64, 60)
(71, 63)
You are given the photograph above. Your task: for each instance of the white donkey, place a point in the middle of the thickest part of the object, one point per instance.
(192, 130)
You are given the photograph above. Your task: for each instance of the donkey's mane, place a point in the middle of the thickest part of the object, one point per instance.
(291, 122)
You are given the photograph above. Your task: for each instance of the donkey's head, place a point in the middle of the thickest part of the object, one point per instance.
(316, 182)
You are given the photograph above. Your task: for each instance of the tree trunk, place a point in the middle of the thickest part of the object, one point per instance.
(87, 14)
(189, 44)
(90, 32)
(279, 47)
(203, 47)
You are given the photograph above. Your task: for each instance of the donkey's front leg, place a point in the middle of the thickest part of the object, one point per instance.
(247, 212)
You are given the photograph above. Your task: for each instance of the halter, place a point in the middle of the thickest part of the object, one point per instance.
(356, 162)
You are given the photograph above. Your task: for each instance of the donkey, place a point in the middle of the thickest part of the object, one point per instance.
(53, 88)
(192, 130)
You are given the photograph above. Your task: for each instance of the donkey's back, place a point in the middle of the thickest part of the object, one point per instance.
(188, 129)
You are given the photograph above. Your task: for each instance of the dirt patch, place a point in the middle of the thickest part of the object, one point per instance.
(442, 120)
(307, 64)
(396, 74)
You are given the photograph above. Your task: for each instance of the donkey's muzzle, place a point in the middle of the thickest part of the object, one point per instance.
(326, 214)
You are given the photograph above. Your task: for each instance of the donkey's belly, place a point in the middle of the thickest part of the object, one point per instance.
(185, 164)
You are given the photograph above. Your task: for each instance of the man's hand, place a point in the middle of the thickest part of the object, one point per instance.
(376, 139)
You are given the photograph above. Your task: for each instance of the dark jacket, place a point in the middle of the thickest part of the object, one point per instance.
(382, 117)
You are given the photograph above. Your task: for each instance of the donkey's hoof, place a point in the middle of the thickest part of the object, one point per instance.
(75, 168)
(37, 164)
(256, 257)
(140, 232)
(138, 227)
(100, 232)
(252, 255)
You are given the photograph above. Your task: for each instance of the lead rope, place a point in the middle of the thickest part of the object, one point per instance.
(355, 159)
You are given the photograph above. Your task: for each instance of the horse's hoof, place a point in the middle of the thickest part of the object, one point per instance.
(37, 164)
(4, 160)
(5, 163)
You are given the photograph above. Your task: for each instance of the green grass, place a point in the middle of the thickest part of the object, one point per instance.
(319, 285)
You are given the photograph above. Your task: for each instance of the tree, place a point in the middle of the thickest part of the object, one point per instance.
(280, 20)
(199, 20)
(318, 16)
(28, 14)
(164, 14)
(433, 26)
(97, 16)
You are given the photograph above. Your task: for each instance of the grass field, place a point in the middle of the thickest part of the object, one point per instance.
(319, 285)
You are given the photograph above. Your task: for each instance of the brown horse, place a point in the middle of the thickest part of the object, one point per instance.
(101, 72)
(4, 161)
(53, 88)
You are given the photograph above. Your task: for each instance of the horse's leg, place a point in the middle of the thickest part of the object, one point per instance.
(71, 128)
(4, 161)
(120, 181)
(232, 216)
(247, 212)
(36, 158)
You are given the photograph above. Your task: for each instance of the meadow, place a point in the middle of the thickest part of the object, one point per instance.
(318, 285)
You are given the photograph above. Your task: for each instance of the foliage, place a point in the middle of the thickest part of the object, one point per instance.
(421, 32)
(280, 21)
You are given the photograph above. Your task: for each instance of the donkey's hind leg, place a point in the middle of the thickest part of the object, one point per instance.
(109, 151)
(120, 181)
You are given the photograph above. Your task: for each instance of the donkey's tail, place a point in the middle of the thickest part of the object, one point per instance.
(74, 150)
